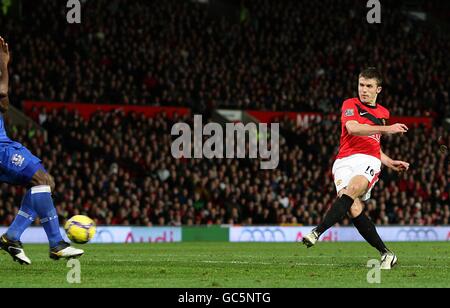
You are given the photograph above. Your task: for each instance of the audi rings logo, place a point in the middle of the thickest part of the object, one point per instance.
(262, 235)
(417, 234)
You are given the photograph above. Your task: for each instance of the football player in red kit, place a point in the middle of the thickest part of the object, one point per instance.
(359, 161)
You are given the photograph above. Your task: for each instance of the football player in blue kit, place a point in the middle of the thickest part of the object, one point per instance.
(19, 167)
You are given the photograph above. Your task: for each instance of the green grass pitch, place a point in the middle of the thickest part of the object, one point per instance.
(229, 265)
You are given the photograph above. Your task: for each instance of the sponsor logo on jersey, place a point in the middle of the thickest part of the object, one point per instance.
(376, 137)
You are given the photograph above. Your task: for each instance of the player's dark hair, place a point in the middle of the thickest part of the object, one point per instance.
(372, 73)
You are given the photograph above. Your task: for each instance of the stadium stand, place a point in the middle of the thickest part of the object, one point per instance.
(274, 57)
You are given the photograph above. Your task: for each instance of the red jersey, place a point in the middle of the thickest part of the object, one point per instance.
(354, 110)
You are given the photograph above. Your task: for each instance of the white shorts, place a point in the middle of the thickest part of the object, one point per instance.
(359, 164)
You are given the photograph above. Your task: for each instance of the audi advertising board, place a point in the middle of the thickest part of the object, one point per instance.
(342, 234)
(130, 235)
(36, 235)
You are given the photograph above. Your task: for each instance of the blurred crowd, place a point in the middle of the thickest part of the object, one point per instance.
(118, 169)
(285, 55)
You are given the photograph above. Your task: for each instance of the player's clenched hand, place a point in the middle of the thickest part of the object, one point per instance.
(399, 166)
(396, 129)
(4, 51)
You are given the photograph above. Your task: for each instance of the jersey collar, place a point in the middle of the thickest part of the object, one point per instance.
(367, 105)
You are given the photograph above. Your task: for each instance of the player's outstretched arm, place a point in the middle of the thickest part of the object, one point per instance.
(4, 78)
(396, 165)
(356, 129)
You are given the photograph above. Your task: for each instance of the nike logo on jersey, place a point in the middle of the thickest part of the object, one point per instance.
(369, 116)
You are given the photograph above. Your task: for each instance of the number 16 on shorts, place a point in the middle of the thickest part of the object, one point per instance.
(370, 171)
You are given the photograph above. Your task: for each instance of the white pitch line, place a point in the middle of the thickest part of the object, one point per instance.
(299, 257)
(269, 263)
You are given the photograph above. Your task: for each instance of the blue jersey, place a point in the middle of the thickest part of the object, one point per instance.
(17, 164)
(3, 136)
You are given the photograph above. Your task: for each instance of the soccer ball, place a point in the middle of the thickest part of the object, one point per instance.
(80, 229)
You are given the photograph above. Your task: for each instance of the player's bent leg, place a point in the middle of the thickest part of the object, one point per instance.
(357, 187)
(18, 174)
(366, 227)
(336, 213)
(369, 232)
(42, 201)
(10, 241)
(37, 202)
